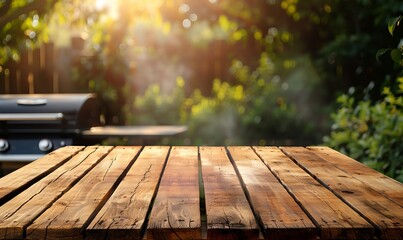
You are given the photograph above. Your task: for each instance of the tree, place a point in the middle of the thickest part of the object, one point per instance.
(21, 25)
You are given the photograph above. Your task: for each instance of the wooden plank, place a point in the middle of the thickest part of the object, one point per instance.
(124, 214)
(14, 77)
(15, 182)
(372, 205)
(50, 66)
(23, 83)
(335, 219)
(229, 215)
(20, 211)
(4, 88)
(39, 86)
(62, 82)
(176, 210)
(70, 214)
(391, 188)
(279, 215)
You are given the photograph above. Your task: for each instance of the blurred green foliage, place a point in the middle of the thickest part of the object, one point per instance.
(371, 132)
(21, 26)
(254, 110)
(156, 108)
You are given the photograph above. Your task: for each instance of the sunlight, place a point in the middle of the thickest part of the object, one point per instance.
(149, 12)
(111, 8)
(100, 4)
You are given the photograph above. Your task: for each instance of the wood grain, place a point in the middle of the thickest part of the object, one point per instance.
(176, 210)
(153, 192)
(279, 215)
(71, 213)
(124, 214)
(391, 188)
(374, 206)
(15, 182)
(229, 215)
(335, 219)
(20, 211)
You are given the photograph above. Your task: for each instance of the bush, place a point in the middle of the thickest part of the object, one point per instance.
(371, 132)
(155, 108)
(259, 108)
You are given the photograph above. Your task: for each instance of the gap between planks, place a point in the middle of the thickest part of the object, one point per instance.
(333, 217)
(201, 188)
(383, 213)
(176, 210)
(119, 218)
(229, 212)
(279, 217)
(19, 180)
(77, 207)
(21, 211)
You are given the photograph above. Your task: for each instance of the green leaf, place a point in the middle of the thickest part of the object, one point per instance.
(381, 52)
(392, 24)
(396, 56)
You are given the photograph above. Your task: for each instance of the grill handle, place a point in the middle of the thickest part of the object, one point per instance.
(31, 116)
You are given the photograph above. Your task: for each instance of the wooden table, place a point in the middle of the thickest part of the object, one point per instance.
(159, 192)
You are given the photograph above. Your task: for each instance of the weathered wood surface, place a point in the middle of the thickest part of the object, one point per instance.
(229, 214)
(124, 214)
(69, 215)
(383, 213)
(13, 183)
(20, 211)
(279, 215)
(391, 188)
(333, 217)
(199, 193)
(176, 210)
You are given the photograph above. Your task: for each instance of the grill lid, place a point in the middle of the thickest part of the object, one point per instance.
(26, 113)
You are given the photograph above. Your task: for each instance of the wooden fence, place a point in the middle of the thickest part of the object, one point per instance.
(41, 70)
(48, 69)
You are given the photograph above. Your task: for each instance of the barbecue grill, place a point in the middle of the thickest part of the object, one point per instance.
(32, 125)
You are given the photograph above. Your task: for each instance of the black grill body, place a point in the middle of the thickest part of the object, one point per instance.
(35, 124)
